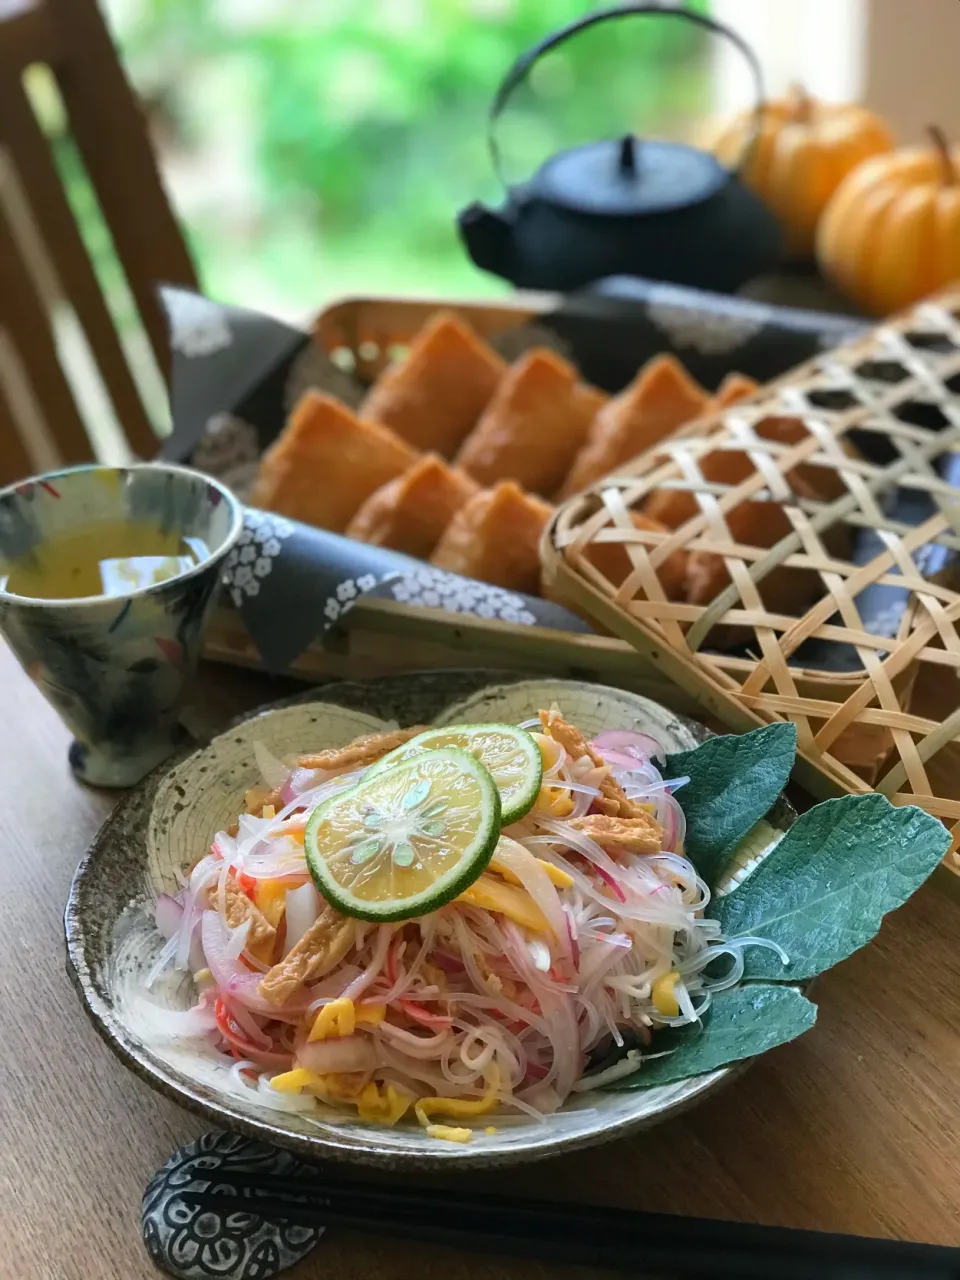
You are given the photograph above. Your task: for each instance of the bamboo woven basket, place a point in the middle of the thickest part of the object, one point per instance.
(895, 722)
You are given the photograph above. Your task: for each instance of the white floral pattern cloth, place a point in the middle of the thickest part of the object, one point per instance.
(346, 593)
(433, 589)
(198, 327)
(251, 560)
(687, 326)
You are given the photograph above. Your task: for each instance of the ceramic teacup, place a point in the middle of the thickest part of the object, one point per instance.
(114, 666)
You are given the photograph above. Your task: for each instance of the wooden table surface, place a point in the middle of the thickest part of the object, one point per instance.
(853, 1128)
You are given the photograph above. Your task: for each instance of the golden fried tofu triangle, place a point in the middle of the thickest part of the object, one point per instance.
(661, 398)
(410, 512)
(435, 395)
(496, 538)
(734, 388)
(533, 427)
(326, 462)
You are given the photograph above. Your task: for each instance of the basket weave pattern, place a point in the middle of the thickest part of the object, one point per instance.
(871, 421)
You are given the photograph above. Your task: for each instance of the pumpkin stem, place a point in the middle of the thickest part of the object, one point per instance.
(942, 148)
(801, 104)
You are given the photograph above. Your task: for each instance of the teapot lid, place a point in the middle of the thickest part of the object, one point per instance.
(628, 178)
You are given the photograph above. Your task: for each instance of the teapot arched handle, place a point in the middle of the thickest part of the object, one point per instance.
(521, 68)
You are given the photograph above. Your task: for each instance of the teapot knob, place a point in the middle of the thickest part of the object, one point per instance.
(627, 162)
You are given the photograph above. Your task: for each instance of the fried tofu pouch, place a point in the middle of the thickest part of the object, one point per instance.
(734, 388)
(533, 427)
(435, 396)
(326, 462)
(760, 524)
(613, 561)
(410, 513)
(496, 538)
(660, 399)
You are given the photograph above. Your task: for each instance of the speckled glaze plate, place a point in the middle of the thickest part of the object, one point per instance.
(167, 822)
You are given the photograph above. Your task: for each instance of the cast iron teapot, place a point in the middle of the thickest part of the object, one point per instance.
(663, 210)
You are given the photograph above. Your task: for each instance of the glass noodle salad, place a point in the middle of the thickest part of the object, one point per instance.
(456, 927)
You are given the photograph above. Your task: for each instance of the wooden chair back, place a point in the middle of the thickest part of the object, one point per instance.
(47, 277)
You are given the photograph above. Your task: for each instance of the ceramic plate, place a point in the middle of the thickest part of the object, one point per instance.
(167, 822)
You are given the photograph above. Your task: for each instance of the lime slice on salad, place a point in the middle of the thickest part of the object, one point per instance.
(508, 753)
(407, 839)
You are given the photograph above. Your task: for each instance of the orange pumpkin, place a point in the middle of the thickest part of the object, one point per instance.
(804, 150)
(891, 234)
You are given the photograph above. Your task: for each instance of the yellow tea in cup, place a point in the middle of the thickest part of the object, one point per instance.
(109, 557)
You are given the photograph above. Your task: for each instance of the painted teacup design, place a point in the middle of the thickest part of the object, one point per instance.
(114, 665)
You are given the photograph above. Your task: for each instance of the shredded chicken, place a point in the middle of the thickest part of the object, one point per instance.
(362, 751)
(320, 949)
(622, 835)
(613, 800)
(241, 908)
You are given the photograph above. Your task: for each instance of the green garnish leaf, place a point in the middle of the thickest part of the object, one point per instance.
(823, 891)
(734, 780)
(739, 1024)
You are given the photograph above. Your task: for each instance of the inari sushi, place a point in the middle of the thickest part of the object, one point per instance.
(434, 396)
(661, 398)
(734, 388)
(613, 560)
(326, 462)
(533, 427)
(496, 538)
(410, 512)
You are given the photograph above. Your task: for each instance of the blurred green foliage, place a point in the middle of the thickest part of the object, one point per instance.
(364, 121)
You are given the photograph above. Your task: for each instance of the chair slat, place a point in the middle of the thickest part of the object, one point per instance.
(26, 35)
(23, 316)
(54, 220)
(107, 122)
(15, 461)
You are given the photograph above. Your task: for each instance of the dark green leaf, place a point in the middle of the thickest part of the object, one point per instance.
(739, 1024)
(734, 781)
(823, 891)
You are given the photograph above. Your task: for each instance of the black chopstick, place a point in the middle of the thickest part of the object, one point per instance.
(619, 1239)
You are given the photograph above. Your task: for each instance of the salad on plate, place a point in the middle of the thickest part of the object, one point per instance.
(456, 927)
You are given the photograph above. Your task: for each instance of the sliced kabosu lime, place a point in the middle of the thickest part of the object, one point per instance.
(406, 840)
(510, 754)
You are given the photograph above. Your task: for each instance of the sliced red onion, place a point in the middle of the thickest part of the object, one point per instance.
(236, 981)
(341, 1053)
(273, 771)
(168, 912)
(303, 907)
(299, 781)
(252, 1032)
(204, 874)
(612, 881)
(632, 743)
